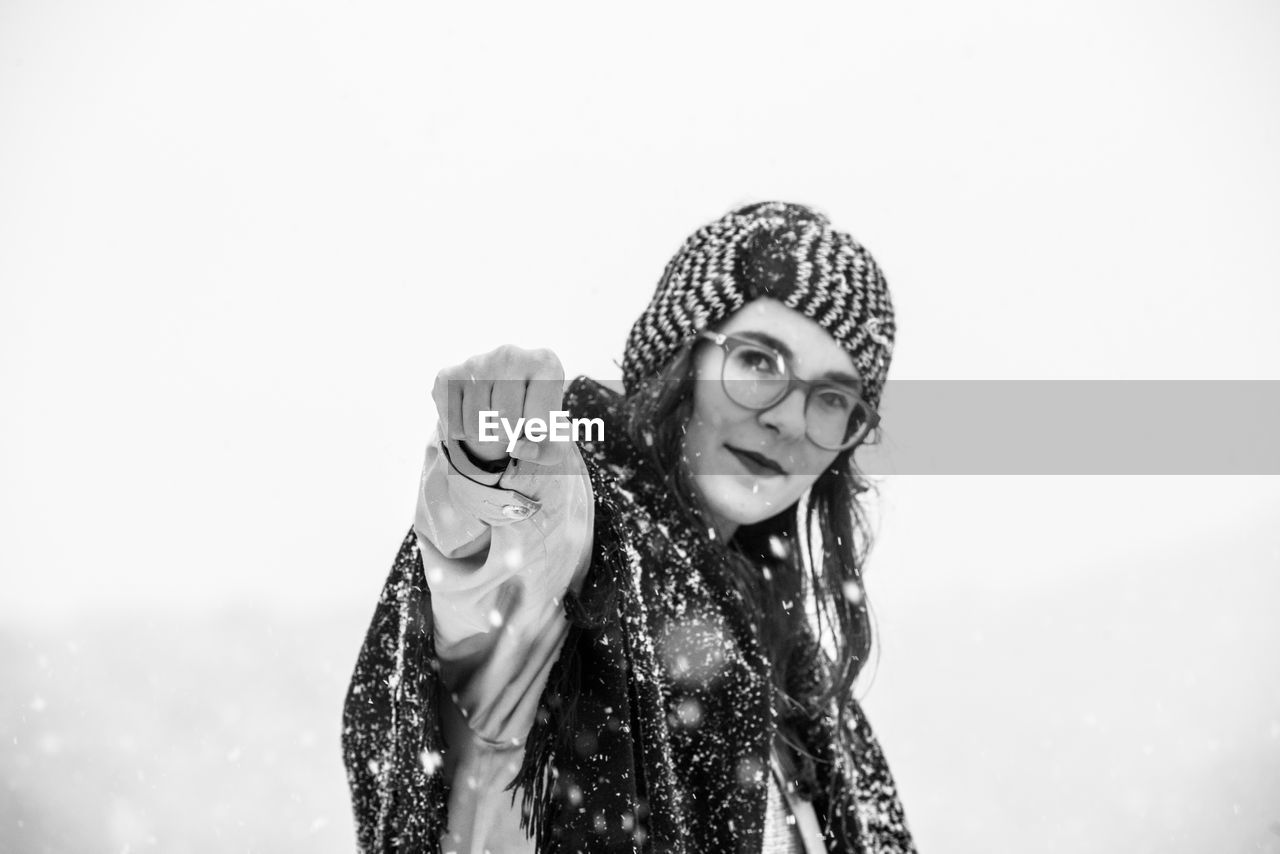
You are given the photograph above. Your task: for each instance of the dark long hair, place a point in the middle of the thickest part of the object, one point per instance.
(766, 561)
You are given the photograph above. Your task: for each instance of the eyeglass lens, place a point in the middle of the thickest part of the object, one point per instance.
(757, 378)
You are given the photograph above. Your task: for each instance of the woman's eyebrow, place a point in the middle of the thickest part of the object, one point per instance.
(768, 340)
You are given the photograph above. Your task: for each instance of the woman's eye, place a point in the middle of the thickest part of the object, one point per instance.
(758, 361)
(835, 400)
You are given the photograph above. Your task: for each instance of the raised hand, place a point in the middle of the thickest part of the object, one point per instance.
(512, 386)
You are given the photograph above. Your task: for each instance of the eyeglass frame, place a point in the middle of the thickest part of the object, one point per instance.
(731, 342)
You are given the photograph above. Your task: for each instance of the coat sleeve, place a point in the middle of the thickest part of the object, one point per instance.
(474, 536)
(391, 735)
(499, 551)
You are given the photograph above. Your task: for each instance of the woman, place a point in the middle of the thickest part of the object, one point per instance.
(634, 643)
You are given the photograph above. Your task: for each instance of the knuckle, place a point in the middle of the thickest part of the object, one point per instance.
(546, 359)
(504, 359)
(440, 388)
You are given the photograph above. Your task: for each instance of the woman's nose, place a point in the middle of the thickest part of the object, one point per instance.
(787, 415)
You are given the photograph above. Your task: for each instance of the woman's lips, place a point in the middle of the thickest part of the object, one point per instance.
(757, 464)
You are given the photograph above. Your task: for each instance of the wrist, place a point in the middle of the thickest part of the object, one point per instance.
(497, 466)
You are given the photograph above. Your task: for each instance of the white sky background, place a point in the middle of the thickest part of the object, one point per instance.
(237, 240)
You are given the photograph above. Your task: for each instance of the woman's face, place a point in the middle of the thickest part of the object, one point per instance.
(747, 464)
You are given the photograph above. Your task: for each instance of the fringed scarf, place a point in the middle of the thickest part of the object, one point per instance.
(655, 726)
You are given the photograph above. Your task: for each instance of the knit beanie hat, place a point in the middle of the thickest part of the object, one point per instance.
(771, 249)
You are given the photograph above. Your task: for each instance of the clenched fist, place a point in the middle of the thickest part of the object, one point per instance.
(513, 387)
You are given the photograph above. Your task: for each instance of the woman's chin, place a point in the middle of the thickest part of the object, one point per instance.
(741, 499)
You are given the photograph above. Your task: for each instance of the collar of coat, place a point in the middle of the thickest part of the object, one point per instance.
(655, 726)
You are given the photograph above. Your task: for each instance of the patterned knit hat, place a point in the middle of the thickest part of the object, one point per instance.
(771, 249)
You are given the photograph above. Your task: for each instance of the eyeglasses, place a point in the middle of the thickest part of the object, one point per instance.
(759, 377)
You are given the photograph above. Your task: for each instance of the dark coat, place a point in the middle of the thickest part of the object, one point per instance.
(654, 729)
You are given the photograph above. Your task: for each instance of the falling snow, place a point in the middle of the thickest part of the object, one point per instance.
(432, 761)
(655, 608)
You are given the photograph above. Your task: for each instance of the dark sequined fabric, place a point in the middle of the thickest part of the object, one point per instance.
(655, 726)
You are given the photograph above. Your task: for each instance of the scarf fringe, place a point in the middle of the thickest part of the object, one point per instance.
(538, 783)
